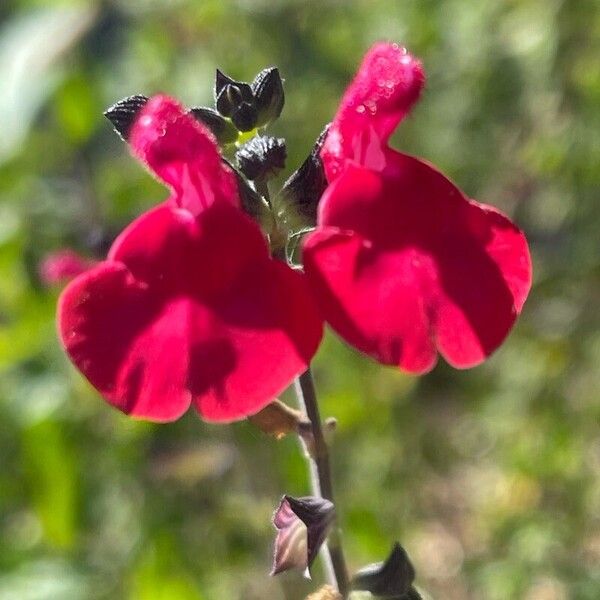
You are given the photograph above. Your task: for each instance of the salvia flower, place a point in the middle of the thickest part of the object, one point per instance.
(403, 263)
(189, 308)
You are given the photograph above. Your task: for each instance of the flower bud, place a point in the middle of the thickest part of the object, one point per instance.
(391, 579)
(122, 114)
(222, 81)
(302, 526)
(231, 94)
(306, 185)
(261, 157)
(243, 116)
(268, 92)
(232, 97)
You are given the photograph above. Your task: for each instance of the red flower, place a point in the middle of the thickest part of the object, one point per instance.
(403, 263)
(62, 266)
(188, 308)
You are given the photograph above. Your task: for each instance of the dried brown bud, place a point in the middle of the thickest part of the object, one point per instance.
(278, 419)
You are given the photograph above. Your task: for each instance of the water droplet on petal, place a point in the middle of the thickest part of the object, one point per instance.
(371, 106)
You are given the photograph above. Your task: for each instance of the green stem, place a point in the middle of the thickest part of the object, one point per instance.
(332, 552)
(262, 187)
(321, 479)
(277, 238)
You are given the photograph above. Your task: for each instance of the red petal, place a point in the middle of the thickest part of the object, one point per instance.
(190, 310)
(420, 266)
(126, 342)
(171, 249)
(183, 153)
(373, 300)
(485, 281)
(274, 328)
(389, 81)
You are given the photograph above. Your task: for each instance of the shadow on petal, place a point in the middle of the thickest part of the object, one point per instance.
(210, 364)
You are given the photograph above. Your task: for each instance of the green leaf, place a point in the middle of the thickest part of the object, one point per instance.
(50, 467)
(160, 575)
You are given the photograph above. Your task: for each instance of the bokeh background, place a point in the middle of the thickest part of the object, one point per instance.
(490, 477)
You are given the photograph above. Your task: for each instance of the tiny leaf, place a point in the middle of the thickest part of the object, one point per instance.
(220, 127)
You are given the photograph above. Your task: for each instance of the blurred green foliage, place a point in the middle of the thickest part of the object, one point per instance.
(490, 478)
